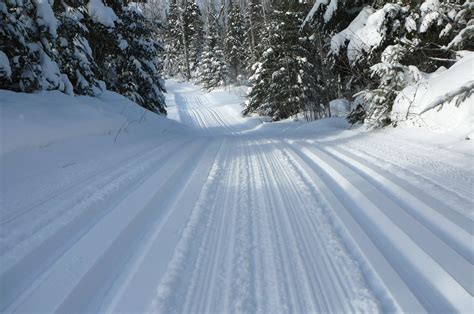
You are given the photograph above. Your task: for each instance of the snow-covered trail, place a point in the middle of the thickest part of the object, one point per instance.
(236, 218)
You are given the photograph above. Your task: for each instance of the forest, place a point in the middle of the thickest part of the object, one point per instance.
(236, 156)
(296, 56)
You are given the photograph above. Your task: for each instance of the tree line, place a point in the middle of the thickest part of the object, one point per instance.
(297, 55)
(81, 47)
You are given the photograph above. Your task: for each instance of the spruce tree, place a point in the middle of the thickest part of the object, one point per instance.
(255, 32)
(75, 53)
(213, 70)
(393, 77)
(137, 64)
(22, 70)
(283, 81)
(125, 49)
(192, 35)
(172, 41)
(28, 36)
(235, 51)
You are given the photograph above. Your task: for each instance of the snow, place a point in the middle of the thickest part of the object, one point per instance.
(366, 37)
(5, 69)
(331, 7)
(123, 44)
(45, 16)
(365, 32)
(430, 14)
(52, 77)
(463, 35)
(34, 120)
(339, 40)
(413, 107)
(101, 13)
(339, 107)
(107, 208)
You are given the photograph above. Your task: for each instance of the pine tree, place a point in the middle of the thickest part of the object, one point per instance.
(138, 64)
(282, 80)
(235, 52)
(393, 77)
(172, 40)
(21, 62)
(28, 35)
(125, 47)
(213, 70)
(74, 51)
(193, 35)
(255, 27)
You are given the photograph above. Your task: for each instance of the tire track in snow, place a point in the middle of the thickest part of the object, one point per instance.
(241, 260)
(267, 288)
(72, 187)
(159, 209)
(208, 121)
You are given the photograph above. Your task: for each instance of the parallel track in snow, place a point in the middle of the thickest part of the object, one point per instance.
(226, 222)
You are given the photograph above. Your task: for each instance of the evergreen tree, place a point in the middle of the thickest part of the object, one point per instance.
(193, 35)
(136, 63)
(235, 52)
(283, 78)
(22, 71)
(75, 53)
(28, 35)
(393, 77)
(184, 38)
(213, 70)
(172, 39)
(255, 32)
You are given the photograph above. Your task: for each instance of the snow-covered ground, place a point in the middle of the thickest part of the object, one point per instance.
(104, 209)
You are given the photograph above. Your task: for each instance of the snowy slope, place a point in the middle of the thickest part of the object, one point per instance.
(425, 104)
(39, 119)
(225, 214)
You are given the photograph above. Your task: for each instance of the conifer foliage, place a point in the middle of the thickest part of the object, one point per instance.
(213, 70)
(137, 64)
(235, 52)
(381, 46)
(184, 39)
(283, 80)
(79, 47)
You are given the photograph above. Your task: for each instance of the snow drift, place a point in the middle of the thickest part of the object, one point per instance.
(432, 103)
(39, 119)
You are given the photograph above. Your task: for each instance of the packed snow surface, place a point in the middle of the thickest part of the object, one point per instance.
(107, 208)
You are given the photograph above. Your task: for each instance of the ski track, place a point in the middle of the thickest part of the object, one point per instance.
(449, 184)
(229, 221)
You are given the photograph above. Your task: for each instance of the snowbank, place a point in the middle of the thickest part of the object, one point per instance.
(5, 69)
(39, 119)
(339, 107)
(417, 104)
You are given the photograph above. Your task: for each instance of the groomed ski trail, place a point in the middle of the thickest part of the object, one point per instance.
(232, 219)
